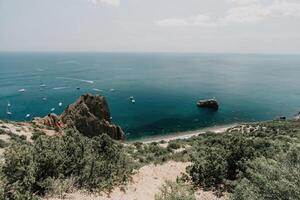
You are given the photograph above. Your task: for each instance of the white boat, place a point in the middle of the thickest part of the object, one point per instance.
(22, 90)
(52, 109)
(43, 85)
(27, 116)
(60, 104)
(44, 98)
(8, 104)
(132, 101)
(131, 97)
(8, 112)
(112, 90)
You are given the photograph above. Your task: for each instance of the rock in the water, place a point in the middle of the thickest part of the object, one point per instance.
(208, 103)
(90, 116)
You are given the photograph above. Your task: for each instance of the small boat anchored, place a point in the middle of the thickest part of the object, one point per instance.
(132, 99)
(208, 103)
(8, 112)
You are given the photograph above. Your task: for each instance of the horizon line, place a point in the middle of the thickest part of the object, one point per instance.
(147, 52)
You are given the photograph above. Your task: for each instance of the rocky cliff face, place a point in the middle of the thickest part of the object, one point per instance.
(90, 116)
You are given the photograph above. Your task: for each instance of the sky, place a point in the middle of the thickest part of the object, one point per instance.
(205, 26)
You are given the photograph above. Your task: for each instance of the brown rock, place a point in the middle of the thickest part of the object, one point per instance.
(51, 120)
(90, 116)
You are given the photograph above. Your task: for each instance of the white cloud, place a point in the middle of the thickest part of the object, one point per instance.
(115, 3)
(198, 20)
(241, 11)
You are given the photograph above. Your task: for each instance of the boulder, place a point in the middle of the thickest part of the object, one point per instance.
(51, 120)
(90, 115)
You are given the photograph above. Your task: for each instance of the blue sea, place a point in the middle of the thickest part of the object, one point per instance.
(165, 86)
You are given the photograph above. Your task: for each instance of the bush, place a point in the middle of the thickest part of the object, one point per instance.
(221, 158)
(98, 163)
(3, 144)
(175, 191)
(19, 172)
(146, 153)
(36, 134)
(277, 179)
(174, 145)
(222, 161)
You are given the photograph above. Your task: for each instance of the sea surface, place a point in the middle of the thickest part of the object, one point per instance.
(165, 86)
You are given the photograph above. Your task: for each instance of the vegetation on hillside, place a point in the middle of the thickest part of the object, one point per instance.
(261, 164)
(32, 169)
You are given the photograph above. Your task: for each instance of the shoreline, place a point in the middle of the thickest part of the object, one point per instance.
(184, 134)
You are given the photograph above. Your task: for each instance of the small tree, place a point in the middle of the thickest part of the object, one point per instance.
(175, 191)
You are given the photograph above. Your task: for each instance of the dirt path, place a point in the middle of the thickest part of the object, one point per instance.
(145, 184)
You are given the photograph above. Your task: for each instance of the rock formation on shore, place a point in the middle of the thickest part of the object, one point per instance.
(89, 115)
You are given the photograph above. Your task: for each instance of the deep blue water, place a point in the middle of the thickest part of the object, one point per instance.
(165, 87)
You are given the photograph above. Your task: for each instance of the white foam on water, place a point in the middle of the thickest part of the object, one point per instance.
(60, 88)
(97, 90)
(22, 90)
(76, 79)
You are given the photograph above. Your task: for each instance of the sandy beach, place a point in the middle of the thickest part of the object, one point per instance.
(185, 134)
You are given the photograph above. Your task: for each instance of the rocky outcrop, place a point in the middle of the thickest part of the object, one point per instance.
(245, 128)
(90, 116)
(51, 120)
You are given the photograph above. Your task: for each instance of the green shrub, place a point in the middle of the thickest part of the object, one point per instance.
(3, 144)
(94, 163)
(277, 179)
(37, 133)
(174, 145)
(175, 191)
(19, 172)
(221, 158)
(221, 161)
(153, 152)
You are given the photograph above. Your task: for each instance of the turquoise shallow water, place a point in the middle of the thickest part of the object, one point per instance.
(165, 87)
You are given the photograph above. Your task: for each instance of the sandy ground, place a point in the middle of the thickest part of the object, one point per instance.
(22, 128)
(145, 184)
(187, 134)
